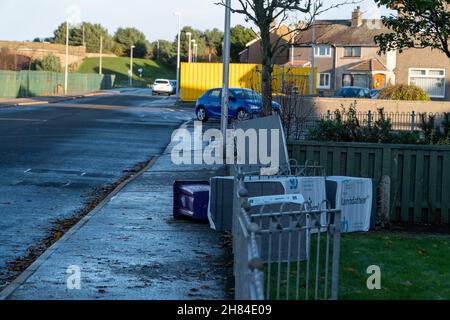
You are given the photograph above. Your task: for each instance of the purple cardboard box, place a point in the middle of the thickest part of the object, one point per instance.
(191, 199)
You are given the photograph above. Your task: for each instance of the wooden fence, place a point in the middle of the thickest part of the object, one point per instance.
(420, 175)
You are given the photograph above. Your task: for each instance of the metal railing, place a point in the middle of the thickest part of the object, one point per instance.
(285, 250)
(401, 121)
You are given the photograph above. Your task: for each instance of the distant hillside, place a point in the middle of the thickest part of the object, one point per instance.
(120, 66)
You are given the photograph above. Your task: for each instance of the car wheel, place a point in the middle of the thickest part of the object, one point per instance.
(241, 115)
(201, 114)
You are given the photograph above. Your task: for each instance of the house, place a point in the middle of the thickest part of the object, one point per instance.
(252, 52)
(346, 54)
(425, 68)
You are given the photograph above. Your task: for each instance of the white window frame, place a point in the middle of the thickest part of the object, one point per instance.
(353, 49)
(427, 76)
(317, 51)
(318, 80)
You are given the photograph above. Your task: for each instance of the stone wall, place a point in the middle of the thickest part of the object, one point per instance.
(16, 55)
(322, 105)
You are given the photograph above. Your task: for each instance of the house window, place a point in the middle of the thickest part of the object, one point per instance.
(323, 80)
(352, 51)
(430, 80)
(347, 80)
(322, 51)
(355, 80)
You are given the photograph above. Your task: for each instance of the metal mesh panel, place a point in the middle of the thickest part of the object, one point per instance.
(284, 251)
(41, 83)
(9, 84)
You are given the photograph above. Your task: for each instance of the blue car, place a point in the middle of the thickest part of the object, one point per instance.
(243, 103)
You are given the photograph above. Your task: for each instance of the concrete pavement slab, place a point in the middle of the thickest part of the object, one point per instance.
(132, 248)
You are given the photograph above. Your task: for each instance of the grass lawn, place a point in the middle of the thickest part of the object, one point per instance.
(120, 67)
(413, 266)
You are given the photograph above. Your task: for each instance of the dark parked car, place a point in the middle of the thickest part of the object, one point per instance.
(353, 92)
(243, 103)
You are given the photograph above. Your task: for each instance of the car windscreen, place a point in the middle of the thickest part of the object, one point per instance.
(250, 95)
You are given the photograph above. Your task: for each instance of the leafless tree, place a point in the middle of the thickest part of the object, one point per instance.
(263, 14)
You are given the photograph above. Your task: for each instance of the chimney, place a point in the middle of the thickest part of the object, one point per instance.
(357, 17)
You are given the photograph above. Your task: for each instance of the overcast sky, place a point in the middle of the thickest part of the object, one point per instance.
(26, 20)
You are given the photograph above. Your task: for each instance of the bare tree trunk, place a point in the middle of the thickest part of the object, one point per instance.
(267, 71)
(267, 89)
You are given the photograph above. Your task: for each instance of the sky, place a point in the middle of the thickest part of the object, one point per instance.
(26, 20)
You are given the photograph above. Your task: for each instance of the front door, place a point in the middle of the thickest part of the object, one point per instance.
(379, 81)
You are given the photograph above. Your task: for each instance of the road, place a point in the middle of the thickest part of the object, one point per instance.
(52, 157)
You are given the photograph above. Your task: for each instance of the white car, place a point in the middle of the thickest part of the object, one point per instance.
(162, 86)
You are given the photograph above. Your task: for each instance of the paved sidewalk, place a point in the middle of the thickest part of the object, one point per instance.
(6, 102)
(132, 248)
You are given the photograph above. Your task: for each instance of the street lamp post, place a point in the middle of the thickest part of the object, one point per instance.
(66, 69)
(189, 34)
(157, 55)
(313, 53)
(84, 41)
(131, 66)
(226, 72)
(193, 50)
(100, 67)
(178, 53)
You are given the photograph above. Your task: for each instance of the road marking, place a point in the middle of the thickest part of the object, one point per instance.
(26, 171)
(19, 119)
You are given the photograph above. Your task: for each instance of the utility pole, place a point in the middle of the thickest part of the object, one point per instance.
(293, 49)
(100, 68)
(66, 69)
(226, 72)
(313, 52)
(131, 66)
(189, 34)
(178, 54)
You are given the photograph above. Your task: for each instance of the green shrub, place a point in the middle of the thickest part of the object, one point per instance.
(48, 63)
(435, 133)
(350, 129)
(404, 92)
(345, 127)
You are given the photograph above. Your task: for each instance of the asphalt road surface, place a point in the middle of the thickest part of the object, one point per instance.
(52, 157)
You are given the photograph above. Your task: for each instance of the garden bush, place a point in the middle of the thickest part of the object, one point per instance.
(404, 92)
(48, 63)
(345, 127)
(433, 132)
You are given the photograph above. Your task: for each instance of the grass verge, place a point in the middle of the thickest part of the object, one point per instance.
(119, 67)
(413, 267)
